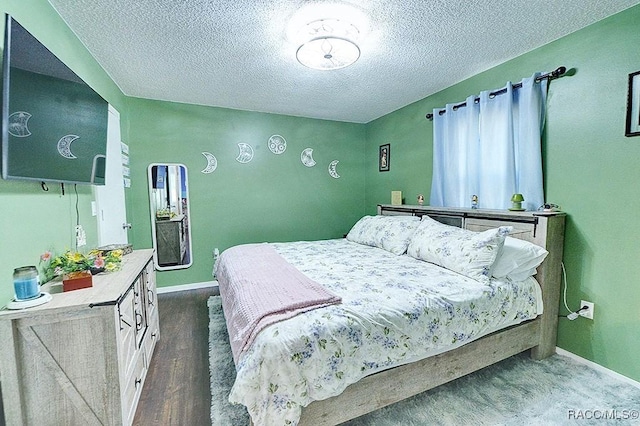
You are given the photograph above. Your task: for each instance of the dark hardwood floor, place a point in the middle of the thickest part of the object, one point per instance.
(176, 390)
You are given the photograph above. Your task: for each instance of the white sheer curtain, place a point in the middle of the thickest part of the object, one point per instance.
(491, 149)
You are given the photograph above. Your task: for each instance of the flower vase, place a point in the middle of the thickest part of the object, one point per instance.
(77, 280)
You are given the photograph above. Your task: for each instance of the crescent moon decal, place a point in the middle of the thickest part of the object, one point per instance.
(307, 157)
(246, 153)
(64, 146)
(277, 144)
(332, 169)
(18, 124)
(212, 162)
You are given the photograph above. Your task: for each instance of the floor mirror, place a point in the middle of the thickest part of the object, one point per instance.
(170, 221)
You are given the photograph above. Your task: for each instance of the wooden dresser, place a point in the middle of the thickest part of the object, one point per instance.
(82, 358)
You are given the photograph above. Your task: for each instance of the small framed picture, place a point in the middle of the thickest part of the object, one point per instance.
(383, 157)
(633, 105)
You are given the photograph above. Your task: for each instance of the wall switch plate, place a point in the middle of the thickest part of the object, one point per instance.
(587, 313)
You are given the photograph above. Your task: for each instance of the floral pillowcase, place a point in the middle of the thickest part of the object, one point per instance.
(466, 252)
(391, 233)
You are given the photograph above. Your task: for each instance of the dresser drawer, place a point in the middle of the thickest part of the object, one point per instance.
(152, 338)
(133, 388)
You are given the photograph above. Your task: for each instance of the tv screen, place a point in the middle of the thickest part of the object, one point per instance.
(54, 125)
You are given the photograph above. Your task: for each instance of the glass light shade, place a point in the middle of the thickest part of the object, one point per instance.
(328, 53)
(517, 198)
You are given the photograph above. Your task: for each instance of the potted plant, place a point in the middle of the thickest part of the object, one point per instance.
(76, 269)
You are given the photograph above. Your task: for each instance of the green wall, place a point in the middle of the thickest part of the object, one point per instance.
(591, 171)
(33, 220)
(271, 198)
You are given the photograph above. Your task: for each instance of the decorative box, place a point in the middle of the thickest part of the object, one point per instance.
(77, 280)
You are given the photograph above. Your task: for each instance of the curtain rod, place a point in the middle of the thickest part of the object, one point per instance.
(559, 72)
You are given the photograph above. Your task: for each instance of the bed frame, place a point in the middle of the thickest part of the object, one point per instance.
(387, 387)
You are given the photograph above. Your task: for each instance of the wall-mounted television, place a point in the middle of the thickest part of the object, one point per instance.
(54, 125)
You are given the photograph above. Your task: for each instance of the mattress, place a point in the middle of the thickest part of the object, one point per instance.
(394, 310)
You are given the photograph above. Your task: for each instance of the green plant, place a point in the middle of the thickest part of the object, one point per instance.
(72, 261)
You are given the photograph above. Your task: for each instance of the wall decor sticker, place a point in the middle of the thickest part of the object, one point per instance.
(306, 156)
(246, 153)
(212, 163)
(277, 144)
(18, 124)
(64, 146)
(332, 169)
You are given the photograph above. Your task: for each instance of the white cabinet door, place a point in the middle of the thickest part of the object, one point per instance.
(110, 203)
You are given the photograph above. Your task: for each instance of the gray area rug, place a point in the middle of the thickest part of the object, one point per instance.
(516, 391)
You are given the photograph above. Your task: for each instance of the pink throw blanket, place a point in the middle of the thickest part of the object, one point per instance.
(259, 288)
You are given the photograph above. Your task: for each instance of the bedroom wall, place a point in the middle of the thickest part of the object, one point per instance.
(591, 170)
(271, 198)
(33, 220)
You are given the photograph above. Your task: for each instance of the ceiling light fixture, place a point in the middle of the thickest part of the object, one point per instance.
(329, 45)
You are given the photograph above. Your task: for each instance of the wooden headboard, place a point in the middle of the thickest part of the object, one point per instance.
(545, 229)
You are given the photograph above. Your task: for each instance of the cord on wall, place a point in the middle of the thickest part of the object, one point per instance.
(572, 314)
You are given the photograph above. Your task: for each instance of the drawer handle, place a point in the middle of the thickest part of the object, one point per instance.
(153, 335)
(138, 323)
(138, 381)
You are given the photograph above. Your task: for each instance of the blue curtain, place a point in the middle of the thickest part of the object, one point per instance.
(491, 149)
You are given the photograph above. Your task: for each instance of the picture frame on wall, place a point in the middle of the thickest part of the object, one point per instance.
(384, 157)
(633, 105)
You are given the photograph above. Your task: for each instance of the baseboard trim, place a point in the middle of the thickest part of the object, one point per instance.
(598, 367)
(185, 287)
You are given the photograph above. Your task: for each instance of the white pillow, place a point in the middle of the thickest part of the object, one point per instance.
(391, 233)
(466, 252)
(518, 260)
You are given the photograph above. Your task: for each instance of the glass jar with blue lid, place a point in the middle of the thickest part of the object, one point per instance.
(26, 283)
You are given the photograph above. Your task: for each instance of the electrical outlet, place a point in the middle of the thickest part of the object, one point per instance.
(587, 313)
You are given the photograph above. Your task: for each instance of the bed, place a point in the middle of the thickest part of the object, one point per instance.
(401, 324)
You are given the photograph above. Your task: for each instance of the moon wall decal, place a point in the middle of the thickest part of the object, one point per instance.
(307, 157)
(64, 146)
(212, 162)
(277, 144)
(246, 153)
(18, 122)
(332, 169)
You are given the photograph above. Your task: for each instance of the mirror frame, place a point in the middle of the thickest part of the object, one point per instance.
(152, 215)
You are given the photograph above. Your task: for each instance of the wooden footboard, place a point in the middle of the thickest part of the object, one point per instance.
(390, 386)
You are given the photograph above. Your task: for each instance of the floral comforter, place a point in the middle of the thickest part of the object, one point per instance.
(395, 310)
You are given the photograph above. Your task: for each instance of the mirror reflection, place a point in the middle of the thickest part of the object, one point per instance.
(170, 222)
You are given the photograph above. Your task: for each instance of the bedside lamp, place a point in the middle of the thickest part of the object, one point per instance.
(517, 200)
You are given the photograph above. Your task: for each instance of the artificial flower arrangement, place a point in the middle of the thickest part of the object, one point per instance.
(95, 261)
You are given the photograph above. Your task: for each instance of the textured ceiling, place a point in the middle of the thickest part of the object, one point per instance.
(241, 53)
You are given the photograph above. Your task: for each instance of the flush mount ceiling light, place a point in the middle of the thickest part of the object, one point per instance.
(328, 45)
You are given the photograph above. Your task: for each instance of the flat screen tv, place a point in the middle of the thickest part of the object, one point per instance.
(54, 125)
